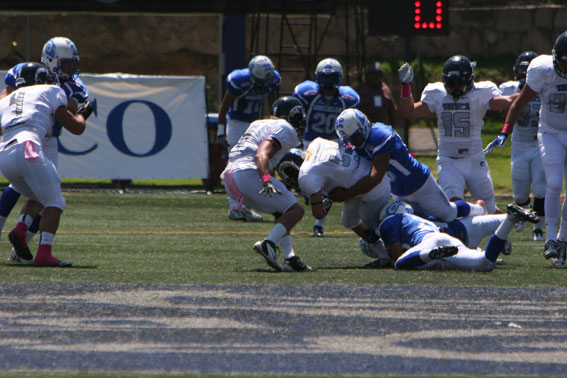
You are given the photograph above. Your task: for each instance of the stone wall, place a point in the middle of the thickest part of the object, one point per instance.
(189, 44)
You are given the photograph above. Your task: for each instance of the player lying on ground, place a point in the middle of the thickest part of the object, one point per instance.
(417, 243)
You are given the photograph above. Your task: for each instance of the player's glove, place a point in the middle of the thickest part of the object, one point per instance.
(223, 142)
(269, 189)
(405, 73)
(327, 203)
(498, 142)
(86, 110)
(370, 236)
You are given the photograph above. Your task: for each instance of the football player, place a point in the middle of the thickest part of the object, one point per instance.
(246, 91)
(61, 57)
(547, 77)
(410, 180)
(328, 165)
(460, 104)
(324, 100)
(416, 243)
(527, 169)
(248, 180)
(27, 115)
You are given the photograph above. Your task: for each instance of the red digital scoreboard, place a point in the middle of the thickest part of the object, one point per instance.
(408, 17)
(429, 16)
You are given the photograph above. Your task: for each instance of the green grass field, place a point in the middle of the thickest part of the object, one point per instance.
(182, 238)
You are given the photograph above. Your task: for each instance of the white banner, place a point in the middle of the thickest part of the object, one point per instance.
(143, 127)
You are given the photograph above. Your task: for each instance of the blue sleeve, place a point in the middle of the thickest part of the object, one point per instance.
(276, 81)
(10, 78)
(390, 230)
(306, 91)
(76, 90)
(238, 81)
(350, 96)
(381, 140)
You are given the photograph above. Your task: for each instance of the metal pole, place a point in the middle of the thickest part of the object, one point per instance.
(28, 55)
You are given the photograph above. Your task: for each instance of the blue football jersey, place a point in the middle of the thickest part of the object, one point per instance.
(406, 173)
(454, 228)
(10, 78)
(322, 112)
(74, 89)
(408, 229)
(249, 98)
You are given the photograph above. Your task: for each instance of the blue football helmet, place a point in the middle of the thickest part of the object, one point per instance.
(261, 70)
(560, 55)
(329, 73)
(61, 56)
(352, 127)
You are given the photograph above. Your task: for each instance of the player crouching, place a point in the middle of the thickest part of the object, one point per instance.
(248, 180)
(27, 115)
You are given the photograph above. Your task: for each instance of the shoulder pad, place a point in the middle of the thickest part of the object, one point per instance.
(435, 88)
(509, 87)
(485, 85)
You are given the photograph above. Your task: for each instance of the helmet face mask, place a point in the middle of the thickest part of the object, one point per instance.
(458, 75)
(288, 168)
(33, 74)
(329, 74)
(560, 55)
(61, 57)
(261, 70)
(352, 127)
(290, 109)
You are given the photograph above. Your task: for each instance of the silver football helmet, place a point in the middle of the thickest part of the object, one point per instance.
(352, 126)
(61, 56)
(261, 70)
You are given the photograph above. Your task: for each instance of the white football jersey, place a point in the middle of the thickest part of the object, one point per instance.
(460, 121)
(552, 89)
(243, 154)
(525, 130)
(29, 112)
(328, 165)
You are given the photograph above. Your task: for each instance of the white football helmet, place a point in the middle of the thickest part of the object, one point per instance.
(61, 56)
(329, 73)
(395, 207)
(261, 70)
(352, 126)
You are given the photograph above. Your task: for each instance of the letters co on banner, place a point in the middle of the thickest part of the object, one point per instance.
(143, 127)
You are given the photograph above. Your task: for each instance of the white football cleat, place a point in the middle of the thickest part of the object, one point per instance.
(14, 257)
(267, 249)
(250, 215)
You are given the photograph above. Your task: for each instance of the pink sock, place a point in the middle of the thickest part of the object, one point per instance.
(44, 256)
(21, 230)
